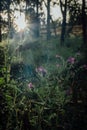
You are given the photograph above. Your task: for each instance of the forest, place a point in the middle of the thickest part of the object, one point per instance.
(43, 65)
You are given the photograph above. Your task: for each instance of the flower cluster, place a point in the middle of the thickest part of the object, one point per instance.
(41, 71)
(30, 85)
(71, 60)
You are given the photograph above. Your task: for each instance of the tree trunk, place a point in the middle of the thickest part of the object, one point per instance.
(54, 26)
(37, 17)
(84, 28)
(0, 29)
(48, 20)
(84, 23)
(9, 19)
(63, 30)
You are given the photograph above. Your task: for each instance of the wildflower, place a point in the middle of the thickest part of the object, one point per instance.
(41, 71)
(30, 85)
(85, 66)
(71, 60)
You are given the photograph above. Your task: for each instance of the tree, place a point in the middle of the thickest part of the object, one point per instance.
(74, 11)
(63, 6)
(48, 19)
(37, 17)
(1, 9)
(0, 23)
(84, 28)
(6, 10)
(84, 22)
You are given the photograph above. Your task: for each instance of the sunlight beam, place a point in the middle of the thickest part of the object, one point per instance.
(20, 21)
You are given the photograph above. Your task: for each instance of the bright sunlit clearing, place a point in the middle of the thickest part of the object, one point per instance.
(20, 21)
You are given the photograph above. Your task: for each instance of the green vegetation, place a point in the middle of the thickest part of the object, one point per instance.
(52, 96)
(43, 66)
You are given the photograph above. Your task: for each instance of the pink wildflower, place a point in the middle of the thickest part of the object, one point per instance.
(41, 70)
(71, 60)
(30, 85)
(85, 66)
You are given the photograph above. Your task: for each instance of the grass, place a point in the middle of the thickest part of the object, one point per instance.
(45, 51)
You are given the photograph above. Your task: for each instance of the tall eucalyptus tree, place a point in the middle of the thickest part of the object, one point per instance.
(35, 5)
(84, 22)
(48, 20)
(63, 6)
(84, 28)
(2, 8)
(0, 23)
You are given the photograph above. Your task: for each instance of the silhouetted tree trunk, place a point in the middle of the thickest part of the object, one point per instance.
(9, 17)
(0, 30)
(0, 24)
(37, 17)
(48, 20)
(64, 12)
(84, 27)
(54, 26)
(84, 22)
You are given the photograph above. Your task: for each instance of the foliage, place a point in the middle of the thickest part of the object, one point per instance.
(43, 85)
(54, 99)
